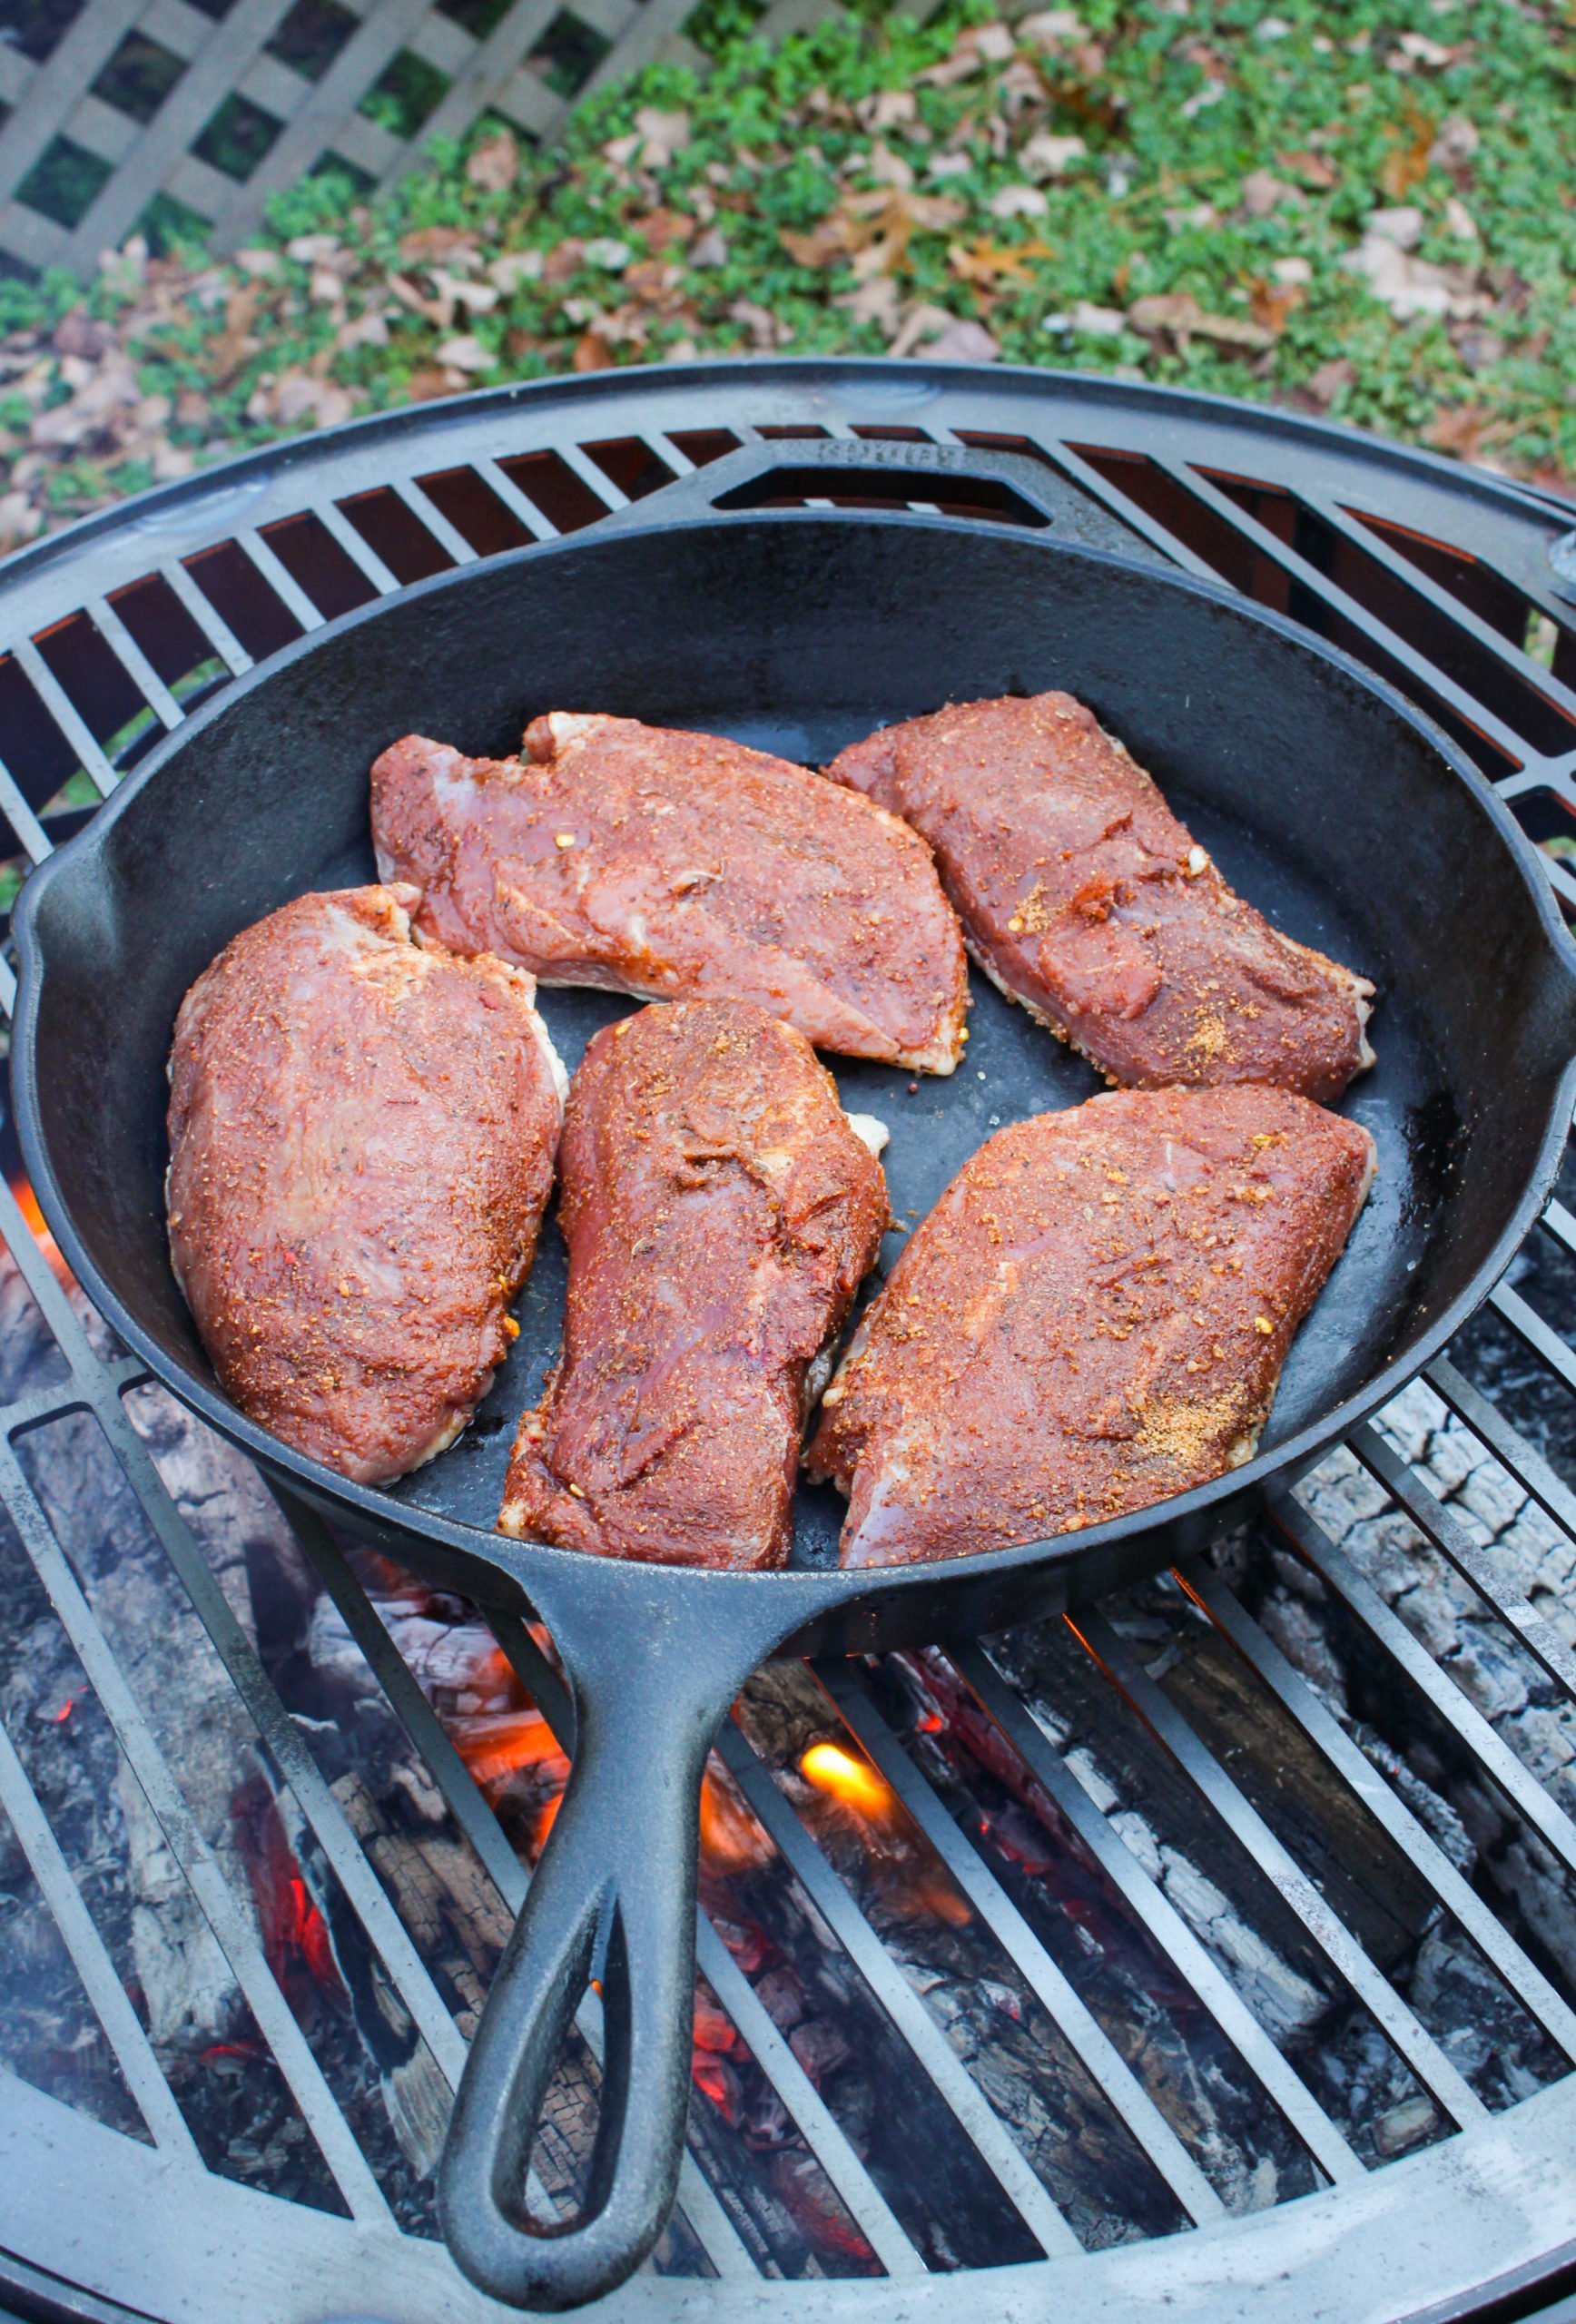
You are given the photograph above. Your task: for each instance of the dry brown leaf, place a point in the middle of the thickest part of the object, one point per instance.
(495, 164)
(591, 353)
(662, 135)
(1177, 315)
(432, 311)
(1406, 164)
(659, 228)
(563, 260)
(1467, 430)
(887, 109)
(1310, 169)
(990, 264)
(876, 301)
(1273, 304)
(430, 243)
(1322, 385)
(1263, 192)
(873, 229)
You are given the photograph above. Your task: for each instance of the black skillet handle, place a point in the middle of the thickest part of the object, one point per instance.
(987, 480)
(657, 1655)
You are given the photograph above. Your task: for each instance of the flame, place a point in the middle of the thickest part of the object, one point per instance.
(542, 1827)
(731, 1839)
(27, 1203)
(909, 1884)
(852, 1781)
(494, 1746)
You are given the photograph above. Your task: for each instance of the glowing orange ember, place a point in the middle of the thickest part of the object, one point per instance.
(731, 1839)
(494, 1747)
(854, 1781)
(27, 1203)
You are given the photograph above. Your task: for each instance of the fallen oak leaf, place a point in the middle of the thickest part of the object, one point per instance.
(1018, 202)
(662, 135)
(465, 353)
(875, 302)
(1310, 169)
(1046, 155)
(438, 311)
(1178, 316)
(962, 341)
(495, 162)
(990, 264)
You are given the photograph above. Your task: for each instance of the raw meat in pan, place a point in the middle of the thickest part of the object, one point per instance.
(1084, 898)
(720, 1209)
(1093, 1317)
(680, 867)
(361, 1134)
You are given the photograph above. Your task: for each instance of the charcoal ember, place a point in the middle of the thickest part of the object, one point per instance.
(820, 2047)
(1469, 1818)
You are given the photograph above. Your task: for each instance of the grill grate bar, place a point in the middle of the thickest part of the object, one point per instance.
(283, 582)
(1155, 1911)
(198, 1865)
(1373, 542)
(135, 663)
(1528, 1325)
(362, 554)
(274, 1725)
(1526, 1981)
(907, 2012)
(589, 473)
(1079, 2028)
(66, 716)
(431, 519)
(1443, 2082)
(1498, 1761)
(409, 1704)
(1455, 1545)
(1509, 1447)
(1428, 677)
(90, 1956)
(540, 527)
(1082, 472)
(826, 2139)
(22, 818)
(213, 626)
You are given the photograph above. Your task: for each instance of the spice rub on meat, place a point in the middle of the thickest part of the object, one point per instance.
(720, 1209)
(681, 867)
(1083, 897)
(1093, 1318)
(361, 1134)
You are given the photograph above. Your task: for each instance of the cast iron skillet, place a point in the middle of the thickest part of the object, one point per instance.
(1352, 821)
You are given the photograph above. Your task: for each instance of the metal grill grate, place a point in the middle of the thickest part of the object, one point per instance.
(1201, 1700)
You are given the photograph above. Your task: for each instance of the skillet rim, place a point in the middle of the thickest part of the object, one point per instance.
(832, 1590)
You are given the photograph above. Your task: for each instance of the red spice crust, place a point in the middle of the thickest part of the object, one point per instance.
(1083, 897)
(1093, 1317)
(679, 867)
(720, 1212)
(361, 1132)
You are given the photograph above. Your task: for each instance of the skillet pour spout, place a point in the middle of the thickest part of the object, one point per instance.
(1327, 798)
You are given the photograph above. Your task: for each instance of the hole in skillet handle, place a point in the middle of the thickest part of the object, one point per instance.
(656, 1655)
(980, 481)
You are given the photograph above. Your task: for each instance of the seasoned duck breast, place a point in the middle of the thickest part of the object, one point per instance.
(720, 1209)
(1093, 1317)
(680, 867)
(1083, 897)
(361, 1138)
